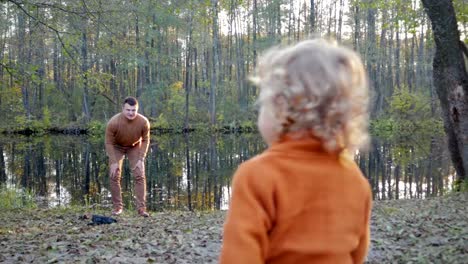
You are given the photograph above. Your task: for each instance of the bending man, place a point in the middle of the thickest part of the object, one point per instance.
(128, 133)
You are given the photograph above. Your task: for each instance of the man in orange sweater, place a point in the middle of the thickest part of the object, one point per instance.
(128, 133)
(304, 200)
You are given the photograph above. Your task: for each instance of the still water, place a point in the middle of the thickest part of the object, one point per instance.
(187, 171)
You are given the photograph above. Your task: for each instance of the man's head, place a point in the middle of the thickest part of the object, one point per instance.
(130, 107)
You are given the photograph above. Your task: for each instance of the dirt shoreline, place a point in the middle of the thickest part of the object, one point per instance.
(403, 231)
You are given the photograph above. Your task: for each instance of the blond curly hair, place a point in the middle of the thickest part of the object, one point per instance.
(316, 87)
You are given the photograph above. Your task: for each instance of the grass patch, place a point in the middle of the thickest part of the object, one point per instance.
(16, 199)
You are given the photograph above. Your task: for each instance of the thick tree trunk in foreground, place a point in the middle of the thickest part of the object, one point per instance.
(451, 80)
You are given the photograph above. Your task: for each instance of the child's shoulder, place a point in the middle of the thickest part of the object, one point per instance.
(259, 164)
(258, 172)
(258, 160)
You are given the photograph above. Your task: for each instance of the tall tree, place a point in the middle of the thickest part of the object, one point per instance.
(451, 80)
(188, 71)
(254, 32)
(85, 65)
(371, 56)
(22, 62)
(357, 25)
(214, 62)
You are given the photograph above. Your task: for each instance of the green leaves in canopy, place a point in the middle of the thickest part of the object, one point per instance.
(461, 10)
(409, 124)
(409, 115)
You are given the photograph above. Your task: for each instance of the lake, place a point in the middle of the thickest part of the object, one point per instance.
(190, 171)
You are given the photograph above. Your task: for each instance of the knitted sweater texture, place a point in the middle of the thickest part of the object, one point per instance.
(296, 203)
(124, 133)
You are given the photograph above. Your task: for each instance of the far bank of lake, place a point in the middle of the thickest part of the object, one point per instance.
(190, 171)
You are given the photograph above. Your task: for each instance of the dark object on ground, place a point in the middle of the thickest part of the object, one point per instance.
(85, 216)
(100, 220)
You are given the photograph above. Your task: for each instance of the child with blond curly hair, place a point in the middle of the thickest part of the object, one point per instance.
(304, 200)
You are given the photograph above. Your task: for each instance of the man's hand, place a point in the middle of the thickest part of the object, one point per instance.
(114, 170)
(140, 165)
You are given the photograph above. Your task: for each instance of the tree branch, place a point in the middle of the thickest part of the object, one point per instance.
(56, 31)
(7, 68)
(55, 6)
(464, 48)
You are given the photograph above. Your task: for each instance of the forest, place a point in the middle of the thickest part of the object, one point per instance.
(67, 63)
(65, 67)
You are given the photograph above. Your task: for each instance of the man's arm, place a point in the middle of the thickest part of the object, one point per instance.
(145, 139)
(110, 141)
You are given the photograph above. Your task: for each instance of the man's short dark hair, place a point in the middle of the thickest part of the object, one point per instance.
(130, 100)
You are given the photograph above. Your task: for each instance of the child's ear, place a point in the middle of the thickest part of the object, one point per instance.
(280, 101)
(280, 106)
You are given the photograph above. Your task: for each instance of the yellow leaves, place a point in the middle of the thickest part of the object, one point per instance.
(177, 87)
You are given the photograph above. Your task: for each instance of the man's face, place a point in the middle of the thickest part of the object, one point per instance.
(130, 112)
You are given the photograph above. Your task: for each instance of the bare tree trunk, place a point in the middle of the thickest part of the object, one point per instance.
(278, 19)
(113, 84)
(188, 71)
(84, 68)
(397, 57)
(388, 92)
(229, 64)
(189, 172)
(290, 20)
(157, 65)
(195, 60)
(3, 177)
(357, 27)
(254, 33)
(381, 69)
(312, 17)
(214, 64)
(451, 80)
(254, 39)
(140, 68)
(241, 87)
(420, 83)
(87, 170)
(299, 19)
(2, 56)
(213, 168)
(22, 62)
(41, 73)
(371, 59)
(340, 21)
(330, 10)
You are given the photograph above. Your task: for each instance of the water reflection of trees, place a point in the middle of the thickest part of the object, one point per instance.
(396, 172)
(193, 171)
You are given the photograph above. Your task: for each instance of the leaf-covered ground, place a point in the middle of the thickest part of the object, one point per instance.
(403, 231)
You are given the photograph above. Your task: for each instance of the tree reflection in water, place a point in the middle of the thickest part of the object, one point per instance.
(191, 171)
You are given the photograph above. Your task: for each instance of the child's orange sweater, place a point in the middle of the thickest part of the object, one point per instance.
(296, 203)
